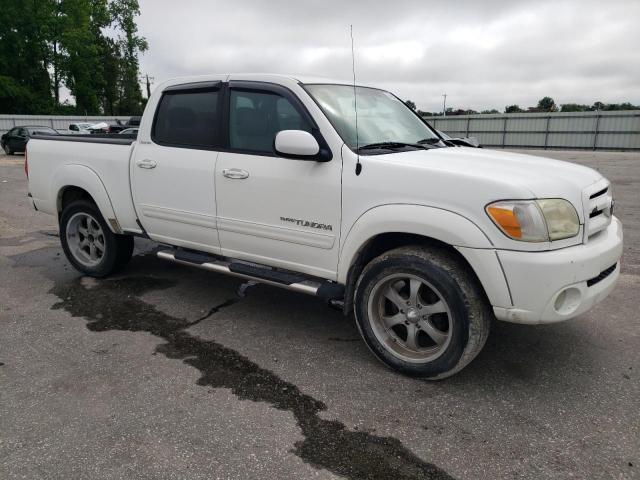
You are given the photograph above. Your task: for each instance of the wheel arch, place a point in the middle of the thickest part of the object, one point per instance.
(73, 182)
(385, 228)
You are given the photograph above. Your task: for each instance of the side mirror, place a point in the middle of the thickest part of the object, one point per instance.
(296, 143)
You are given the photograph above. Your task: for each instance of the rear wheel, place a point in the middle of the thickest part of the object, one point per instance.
(421, 311)
(88, 243)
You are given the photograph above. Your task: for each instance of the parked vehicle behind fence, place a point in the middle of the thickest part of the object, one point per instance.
(80, 128)
(16, 139)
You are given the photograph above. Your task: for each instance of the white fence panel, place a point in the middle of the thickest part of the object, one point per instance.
(619, 130)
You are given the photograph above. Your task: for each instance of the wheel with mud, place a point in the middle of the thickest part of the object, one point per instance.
(421, 311)
(89, 244)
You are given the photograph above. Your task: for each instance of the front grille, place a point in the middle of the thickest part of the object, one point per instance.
(598, 205)
(600, 192)
(603, 274)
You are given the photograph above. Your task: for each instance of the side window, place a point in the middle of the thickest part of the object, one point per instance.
(256, 117)
(22, 132)
(187, 119)
(73, 127)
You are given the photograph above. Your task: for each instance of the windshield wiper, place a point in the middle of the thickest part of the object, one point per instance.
(391, 146)
(429, 141)
(434, 141)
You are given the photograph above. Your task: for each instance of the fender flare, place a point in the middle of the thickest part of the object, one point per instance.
(437, 223)
(81, 176)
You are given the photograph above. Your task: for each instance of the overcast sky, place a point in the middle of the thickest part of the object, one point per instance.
(483, 54)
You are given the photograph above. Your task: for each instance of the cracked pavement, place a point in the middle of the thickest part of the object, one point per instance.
(164, 372)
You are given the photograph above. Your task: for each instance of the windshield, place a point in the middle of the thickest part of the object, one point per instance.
(382, 117)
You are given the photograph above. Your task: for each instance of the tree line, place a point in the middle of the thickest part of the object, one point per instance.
(91, 47)
(545, 104)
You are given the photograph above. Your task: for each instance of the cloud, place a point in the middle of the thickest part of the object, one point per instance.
(482, 54)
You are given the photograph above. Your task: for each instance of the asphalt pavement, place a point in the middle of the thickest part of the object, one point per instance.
(164, 372)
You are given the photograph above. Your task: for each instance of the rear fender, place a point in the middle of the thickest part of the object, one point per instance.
(85, 178)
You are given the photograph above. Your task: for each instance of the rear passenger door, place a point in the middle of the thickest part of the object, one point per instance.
(172, 174)
(272, 210)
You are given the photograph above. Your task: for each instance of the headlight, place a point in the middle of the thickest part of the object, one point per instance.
(535, 220)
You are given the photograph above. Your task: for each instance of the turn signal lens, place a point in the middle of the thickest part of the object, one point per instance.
(507, 220)
(520, 220)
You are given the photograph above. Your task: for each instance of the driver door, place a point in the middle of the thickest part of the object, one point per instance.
(272, 210)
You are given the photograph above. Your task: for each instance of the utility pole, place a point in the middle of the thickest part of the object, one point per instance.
(149, 81)
(444, 105)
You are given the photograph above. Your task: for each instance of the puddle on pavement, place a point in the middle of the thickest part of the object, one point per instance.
(113, 305)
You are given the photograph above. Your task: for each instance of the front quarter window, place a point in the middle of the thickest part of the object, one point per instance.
(382, 117)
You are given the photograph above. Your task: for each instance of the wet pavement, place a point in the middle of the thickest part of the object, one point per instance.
(164, 372)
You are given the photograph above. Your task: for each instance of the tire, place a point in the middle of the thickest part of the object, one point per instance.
(89, 244)
(7, 149)
(439, 321)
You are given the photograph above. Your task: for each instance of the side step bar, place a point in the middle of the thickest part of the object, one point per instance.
(291, 281)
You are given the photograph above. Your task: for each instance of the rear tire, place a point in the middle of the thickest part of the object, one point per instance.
(89, 244)
(421, 311)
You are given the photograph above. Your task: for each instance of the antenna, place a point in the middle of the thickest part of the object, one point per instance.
(355, 104)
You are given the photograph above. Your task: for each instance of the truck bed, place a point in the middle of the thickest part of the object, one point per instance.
(98, 162)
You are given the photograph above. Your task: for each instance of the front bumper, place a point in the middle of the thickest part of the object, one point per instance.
(556, 285)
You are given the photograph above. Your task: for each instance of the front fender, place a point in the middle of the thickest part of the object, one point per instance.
(439, 224)
(443, 225)
(81, 176)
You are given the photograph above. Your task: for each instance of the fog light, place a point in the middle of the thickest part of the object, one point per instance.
(567, 301)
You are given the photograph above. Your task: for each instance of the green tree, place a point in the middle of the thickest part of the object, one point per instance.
(24, 79)
(546, 104)
(410, 104)
(513, 109)
(81, 66)
(493, 110)
(130, 44)
(573, 107)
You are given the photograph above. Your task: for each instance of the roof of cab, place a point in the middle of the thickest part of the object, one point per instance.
(274, 77)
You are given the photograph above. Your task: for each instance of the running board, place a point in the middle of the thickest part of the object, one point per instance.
(248, 271)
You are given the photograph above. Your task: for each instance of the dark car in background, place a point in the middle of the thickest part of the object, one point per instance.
(15, 140)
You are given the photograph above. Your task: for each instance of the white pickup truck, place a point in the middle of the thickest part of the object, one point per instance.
(275, 179)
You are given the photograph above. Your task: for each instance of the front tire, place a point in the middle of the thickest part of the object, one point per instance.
(89, 244)
(7, 149)
(421, 311)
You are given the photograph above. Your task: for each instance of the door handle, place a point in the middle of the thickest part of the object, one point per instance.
(146, 163)
(235, 173)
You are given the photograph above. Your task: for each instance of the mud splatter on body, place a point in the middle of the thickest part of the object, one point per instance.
(113, 305)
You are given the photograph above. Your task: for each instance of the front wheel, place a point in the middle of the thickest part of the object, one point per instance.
(88, 243)
(421, 311)
(7, 149)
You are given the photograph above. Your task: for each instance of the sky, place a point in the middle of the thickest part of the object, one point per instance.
(483, 54)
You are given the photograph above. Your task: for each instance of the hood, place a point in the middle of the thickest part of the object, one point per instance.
(464, 180)
(539, 176)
